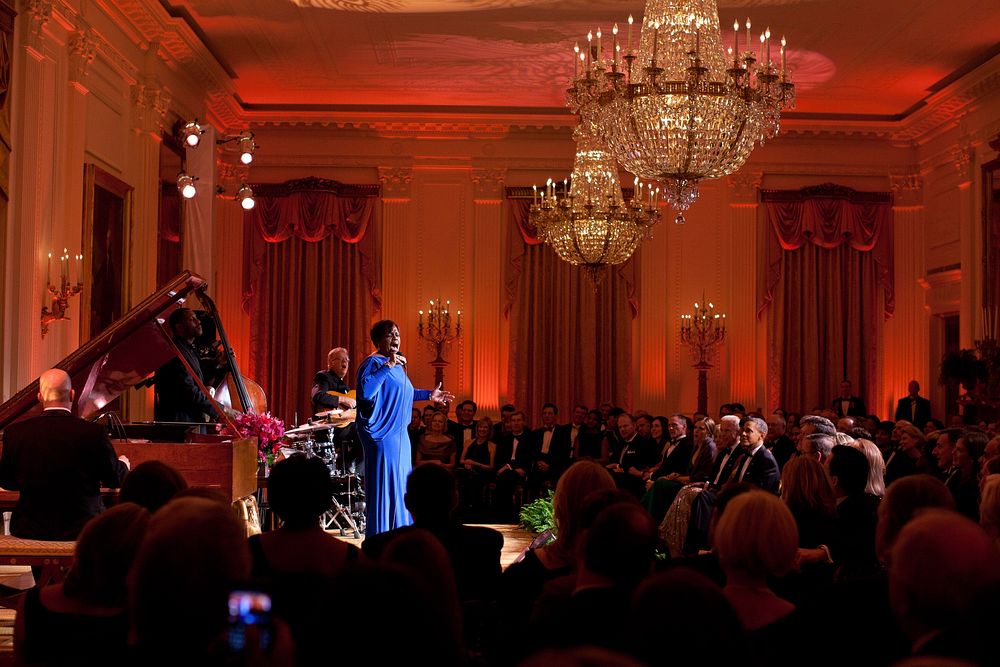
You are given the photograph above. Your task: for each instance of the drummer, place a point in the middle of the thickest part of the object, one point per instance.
(334, 379)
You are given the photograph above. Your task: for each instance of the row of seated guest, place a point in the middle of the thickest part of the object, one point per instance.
(164, 578)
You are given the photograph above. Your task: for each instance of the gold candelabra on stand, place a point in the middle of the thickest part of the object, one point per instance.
(701, 331)
(61, 295)
(437, 331)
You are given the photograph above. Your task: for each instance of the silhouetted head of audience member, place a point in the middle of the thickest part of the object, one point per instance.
(904, 498)
(848, 469)
(151, 484)
(579, 481)
(876, 466)
(579, 656)
(620, 545)
(104, 555)
(816, 445)
(806, 488)
(431, 494)
(941, 563)
(725, 496)
(816, 424)
(685, 611)
(194, 552)
(756, 536)
(418, 638)
(299, 490)
(989, 506)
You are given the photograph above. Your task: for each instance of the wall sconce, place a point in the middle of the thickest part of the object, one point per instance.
(186, 186)
(245, 197)
(66, 289)
(190, 133)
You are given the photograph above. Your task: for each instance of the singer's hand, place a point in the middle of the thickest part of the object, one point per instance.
(442, 396)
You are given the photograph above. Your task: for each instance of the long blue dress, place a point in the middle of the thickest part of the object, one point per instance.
(385, 399)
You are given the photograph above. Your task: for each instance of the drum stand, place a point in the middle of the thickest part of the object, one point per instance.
(339, 511)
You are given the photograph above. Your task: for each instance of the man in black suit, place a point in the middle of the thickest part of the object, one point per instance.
(758, 466)
(178, 398)
(848, 405)
(857, 512)
(553, 449)
(728, 454)
(58, 462)
(913, 407)
(463, 430)
(514, 458)
(432, 496)
(636, 455)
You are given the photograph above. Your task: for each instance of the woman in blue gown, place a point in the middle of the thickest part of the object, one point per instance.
(385, 398)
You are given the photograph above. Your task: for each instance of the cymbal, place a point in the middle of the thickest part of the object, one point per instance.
(307, 428)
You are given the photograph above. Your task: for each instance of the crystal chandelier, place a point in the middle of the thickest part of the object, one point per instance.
(590, 224)
(679, 109)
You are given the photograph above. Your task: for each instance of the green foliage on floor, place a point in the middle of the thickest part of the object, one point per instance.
(537, 516)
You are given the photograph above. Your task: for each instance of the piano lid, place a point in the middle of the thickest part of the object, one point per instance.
(125, 353)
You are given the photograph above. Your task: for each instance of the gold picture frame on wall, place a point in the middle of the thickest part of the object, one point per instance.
(107, 250)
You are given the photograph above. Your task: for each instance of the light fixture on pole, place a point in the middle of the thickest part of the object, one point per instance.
(437, 331)
(677, 109)
(190, 133)
(246, 146)
(245, 197)
(186, 186)
(701, 331)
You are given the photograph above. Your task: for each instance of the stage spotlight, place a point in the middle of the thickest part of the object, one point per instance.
(247, 147)
(191, 133)
(245, 197)
(185, 185)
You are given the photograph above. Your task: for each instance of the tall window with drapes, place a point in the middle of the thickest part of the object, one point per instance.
(569, 343)
(311, 283)
(828, 287)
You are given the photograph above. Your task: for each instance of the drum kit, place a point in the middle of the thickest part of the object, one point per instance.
(317, 438)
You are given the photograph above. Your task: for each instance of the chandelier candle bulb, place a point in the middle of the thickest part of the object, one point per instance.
(628, 43)
(656, 41)
(767, 35)
(600, 55)
(736, 37)
(48, 270)
(749, 41)
(782, 56)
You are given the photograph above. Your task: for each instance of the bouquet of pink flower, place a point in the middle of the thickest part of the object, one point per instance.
(268, 429)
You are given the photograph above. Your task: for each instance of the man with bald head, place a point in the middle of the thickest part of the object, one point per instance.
(58, 462)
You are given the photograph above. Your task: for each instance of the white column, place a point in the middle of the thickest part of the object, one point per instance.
(396, 214)
(485, 311)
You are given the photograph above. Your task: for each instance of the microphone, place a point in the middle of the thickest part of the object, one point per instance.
(400, 359)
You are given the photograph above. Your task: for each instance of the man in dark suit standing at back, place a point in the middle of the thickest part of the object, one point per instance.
(178, 397)
(58, 462)
(914, 408)
(848, 405)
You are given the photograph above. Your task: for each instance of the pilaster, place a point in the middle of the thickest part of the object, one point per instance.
(486, 310)
(747, 375)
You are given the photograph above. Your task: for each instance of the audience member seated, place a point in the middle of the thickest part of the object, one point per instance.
(553, 450)
(435, 445)
(681, 617)
(876, 466)
(905, 458)
(853, 549)
(432, 497)
(945, 571)
(756, 538)
(817, 446)
(989, 507)
(522, 582)
(778, 441)
(965, 485)
(807, 491)
(515, 458)
(58, 462)
(194, 553)
(674, 457)
(902, 503)
(618, 552)
(151, 484)
(661, 490)
(758, 466)
(816, 424)
(590, 441)
(477, 468)
(635, 456)
(884, 438)
(83, 620)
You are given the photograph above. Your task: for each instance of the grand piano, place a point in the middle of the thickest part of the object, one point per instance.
(125, 355)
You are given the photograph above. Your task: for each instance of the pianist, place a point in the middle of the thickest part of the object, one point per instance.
(178, 398)
(58, 462)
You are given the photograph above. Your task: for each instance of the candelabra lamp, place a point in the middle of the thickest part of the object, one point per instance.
(702, 331)
(437, 331)
(60, 295)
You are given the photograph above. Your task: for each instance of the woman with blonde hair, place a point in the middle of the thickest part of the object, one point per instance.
(756, 538)
(876, 466)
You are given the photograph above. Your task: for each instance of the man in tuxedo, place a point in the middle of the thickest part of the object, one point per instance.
(913, 407)
(675, 459)
(432, 497)
(502, 427)
(177, 397)
(728, 454)
(553, 449)
(848, 405)
(577, 425)
(637, 454)
(777, 441)
(514, 458)
(463, 428)
(58, 462)
(758, 466)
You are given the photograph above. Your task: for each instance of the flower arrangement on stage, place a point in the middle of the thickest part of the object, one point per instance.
(269, 431)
